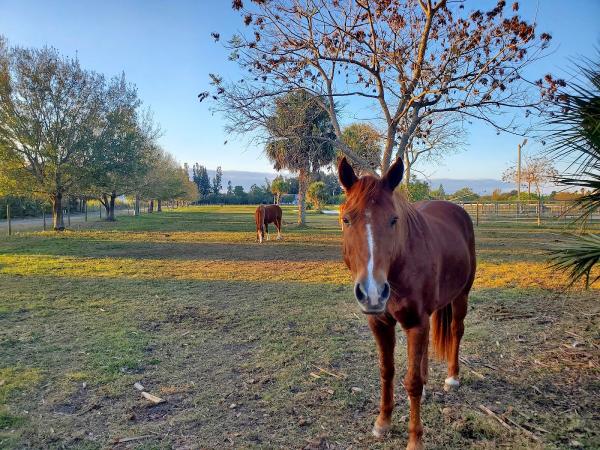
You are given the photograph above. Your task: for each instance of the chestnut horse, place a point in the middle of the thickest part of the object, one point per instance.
(410, 262)
(264, 215)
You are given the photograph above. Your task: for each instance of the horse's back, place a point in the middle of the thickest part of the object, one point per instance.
(273, 212)
(447, 215)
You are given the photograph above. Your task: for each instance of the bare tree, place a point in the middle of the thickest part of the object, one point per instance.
(535, 172)
(432, 141)
(409, 60)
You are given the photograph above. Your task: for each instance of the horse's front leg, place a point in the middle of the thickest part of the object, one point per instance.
(417, 338)
(385, 335)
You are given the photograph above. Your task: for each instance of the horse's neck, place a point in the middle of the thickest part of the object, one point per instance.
(413, 233)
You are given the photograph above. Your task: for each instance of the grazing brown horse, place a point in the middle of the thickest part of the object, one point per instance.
(410, 262)
(264, 215)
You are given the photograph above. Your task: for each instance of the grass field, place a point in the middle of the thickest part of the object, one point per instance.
(262, 346)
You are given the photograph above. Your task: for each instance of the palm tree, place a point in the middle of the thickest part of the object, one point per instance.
(300, 140)
(576, 135)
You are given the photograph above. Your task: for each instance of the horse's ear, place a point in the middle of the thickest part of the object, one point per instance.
(346, 174)
(393, 176)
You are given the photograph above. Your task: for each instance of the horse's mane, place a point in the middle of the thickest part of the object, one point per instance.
(368, 189)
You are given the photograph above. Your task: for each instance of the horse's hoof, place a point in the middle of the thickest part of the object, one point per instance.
(451, 384)
(379, 431)
(415, 446)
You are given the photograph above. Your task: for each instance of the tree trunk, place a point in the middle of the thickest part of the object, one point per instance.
(302, 187)
(58, 223)
(111, 207)
(159, 205)
(105, 201)
(137, 205)
(387, 151)
(151, 206)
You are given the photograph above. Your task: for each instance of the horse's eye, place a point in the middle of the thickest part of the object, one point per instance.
(346, 221)
(394, 221)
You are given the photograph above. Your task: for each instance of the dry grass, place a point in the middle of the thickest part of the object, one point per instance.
(228, 333)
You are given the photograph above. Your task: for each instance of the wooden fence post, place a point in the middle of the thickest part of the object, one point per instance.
(85, 206)
(539, 212)
(69, 211)
(8, 218)
(477, 215)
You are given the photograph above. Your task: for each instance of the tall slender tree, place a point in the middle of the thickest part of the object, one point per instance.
(300, 136)
(217, 181)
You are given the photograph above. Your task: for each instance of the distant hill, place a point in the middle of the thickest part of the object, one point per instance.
(484, 186)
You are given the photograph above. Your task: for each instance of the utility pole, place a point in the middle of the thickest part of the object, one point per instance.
(519, 173)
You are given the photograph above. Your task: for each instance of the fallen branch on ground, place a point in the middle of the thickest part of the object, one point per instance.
(491, 413)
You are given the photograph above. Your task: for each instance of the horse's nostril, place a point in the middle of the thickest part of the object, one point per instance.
(359, 293)
(386, 291)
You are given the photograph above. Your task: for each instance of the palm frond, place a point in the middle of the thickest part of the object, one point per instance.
(577, 254)
(575, 133)
(574, 126)
(589, 203)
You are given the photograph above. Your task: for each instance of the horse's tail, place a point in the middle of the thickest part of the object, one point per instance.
(441, 332)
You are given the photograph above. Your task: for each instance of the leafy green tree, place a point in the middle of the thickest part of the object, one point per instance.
(417, 190)
(300, 136)
(238, 191)
(439, 193)
(294, 185)
(465, 194)
(229, 188)
(200, 177)
(205, 187)
(165, 180)
(365, 141)
(120, 156)
(317, 195)
(279, 186)
(50, 109)
(217, 181)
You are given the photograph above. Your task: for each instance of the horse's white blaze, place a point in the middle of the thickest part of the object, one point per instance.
(371, 285)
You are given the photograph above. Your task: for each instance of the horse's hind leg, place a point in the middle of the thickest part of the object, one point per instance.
(457, 328)
(267, 230)
(278, 226)
(425, 365)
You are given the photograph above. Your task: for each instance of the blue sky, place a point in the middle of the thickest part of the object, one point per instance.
(165, 48)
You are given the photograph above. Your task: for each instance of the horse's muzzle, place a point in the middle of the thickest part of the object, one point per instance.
(372, 299)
